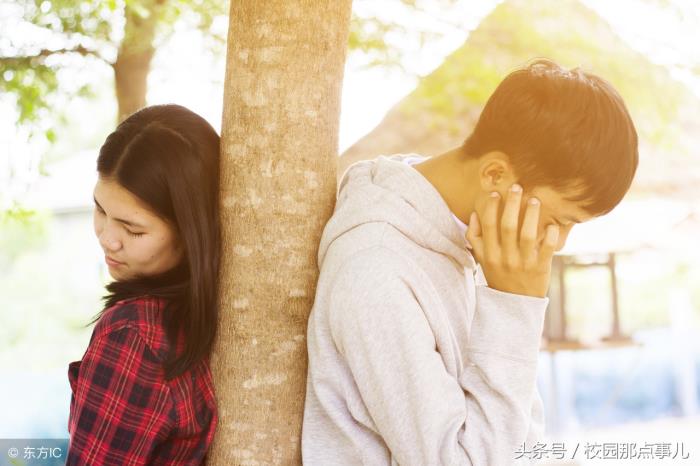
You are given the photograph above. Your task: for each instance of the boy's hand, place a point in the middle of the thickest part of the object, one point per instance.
(515, 263)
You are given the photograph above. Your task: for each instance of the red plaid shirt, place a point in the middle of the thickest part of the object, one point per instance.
(122, 410)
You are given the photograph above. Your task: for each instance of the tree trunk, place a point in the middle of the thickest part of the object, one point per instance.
(278, 182)
(134, 57)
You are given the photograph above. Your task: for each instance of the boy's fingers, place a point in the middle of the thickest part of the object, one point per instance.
(474, 229)
(509, 224)
(549, 243)
(474, 236)
(528, 232)
(489, 225)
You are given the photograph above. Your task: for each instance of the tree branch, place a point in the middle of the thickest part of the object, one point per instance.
(18, 60)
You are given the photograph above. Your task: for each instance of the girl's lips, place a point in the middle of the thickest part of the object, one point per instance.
(112, 262)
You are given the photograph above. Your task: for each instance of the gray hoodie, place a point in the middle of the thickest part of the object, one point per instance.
(413, 360)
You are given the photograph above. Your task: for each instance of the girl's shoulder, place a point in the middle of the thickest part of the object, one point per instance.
(143, 315)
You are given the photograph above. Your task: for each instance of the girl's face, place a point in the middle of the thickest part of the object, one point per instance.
(136, 241)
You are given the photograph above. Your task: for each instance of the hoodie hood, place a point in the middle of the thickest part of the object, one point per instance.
(388, 190)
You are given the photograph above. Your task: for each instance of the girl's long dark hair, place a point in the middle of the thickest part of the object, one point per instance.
(168, 156)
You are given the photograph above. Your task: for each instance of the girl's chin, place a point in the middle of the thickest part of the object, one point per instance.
(117, 274)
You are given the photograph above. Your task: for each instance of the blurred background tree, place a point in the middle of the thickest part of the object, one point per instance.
(54, 53)
(121, 34)
(124, 35)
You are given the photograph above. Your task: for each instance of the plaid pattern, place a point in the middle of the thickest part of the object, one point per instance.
(122, 410)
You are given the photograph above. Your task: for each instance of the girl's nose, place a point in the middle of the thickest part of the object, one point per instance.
(108, 241)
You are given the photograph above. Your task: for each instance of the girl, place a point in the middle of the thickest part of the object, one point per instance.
(143, 394)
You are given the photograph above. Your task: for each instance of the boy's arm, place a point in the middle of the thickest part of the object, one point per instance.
(535, 432)
(503, 349)
(423, 413)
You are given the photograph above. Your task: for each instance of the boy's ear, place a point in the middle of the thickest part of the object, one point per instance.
(495, 172)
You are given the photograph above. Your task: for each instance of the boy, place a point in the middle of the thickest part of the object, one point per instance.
(424, 334)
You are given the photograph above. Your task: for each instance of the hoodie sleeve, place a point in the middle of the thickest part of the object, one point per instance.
(424, 414)
(535, 432)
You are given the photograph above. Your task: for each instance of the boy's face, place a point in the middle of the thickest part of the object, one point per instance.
(496, 174)
(554, 209)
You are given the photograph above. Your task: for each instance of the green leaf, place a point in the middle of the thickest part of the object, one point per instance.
(50, 135)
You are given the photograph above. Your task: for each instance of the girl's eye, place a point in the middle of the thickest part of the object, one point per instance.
(135, 234)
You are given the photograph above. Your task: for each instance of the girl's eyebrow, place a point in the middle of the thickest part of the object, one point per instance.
(121, 220)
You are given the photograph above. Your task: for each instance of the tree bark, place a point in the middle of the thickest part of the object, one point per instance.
(278, 183)
(134, 57)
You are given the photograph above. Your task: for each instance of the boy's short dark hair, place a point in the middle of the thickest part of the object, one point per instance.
(561, 128)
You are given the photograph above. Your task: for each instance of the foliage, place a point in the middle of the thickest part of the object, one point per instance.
(567, 32)
(368, 36)
(21, 230)
(381, 40)
(68, 34)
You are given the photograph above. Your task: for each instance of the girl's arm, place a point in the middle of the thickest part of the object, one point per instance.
(121, 406)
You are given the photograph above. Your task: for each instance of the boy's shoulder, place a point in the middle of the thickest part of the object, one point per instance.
(377, 267)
